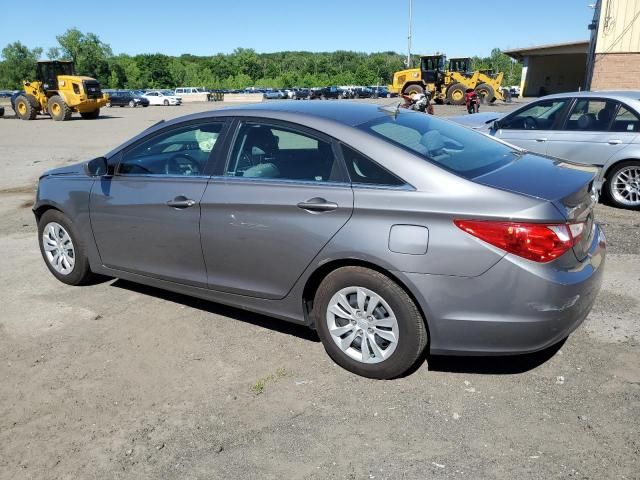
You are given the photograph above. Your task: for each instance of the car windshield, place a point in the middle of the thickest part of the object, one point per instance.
(455, 148)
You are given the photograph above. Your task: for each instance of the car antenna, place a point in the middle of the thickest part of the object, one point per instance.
(390, 109)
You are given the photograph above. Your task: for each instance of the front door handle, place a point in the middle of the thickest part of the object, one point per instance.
(542, 139)
(615, 141)
(318, 204)
(181, 202)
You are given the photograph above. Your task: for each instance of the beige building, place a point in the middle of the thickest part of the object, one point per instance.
(610, 59)
(614, 56)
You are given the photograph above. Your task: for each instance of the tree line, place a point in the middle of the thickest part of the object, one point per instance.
(242, 68)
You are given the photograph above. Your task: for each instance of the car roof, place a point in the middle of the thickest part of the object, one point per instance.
(346, 113)
(633, 95)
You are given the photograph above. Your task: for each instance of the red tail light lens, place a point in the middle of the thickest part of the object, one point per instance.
(534, 241)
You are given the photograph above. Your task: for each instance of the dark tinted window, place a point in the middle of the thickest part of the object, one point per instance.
(451, 146)
(364, 171)
(267, 151)
(182, 151)
(625, 121)
(538, 116)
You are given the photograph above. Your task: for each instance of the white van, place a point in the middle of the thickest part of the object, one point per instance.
(192, 94)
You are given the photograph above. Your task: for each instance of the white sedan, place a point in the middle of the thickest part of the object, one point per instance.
(162, 97)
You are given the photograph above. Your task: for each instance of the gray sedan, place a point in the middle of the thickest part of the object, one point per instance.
(387, 231)
(594, 128)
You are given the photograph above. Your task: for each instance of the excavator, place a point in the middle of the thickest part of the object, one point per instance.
(59, 92)
(448, 83)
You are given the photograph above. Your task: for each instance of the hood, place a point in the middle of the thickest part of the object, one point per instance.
(75, 169)
(478, 121)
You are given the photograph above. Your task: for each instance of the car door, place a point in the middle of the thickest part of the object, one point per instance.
(153, 98)
(280, 197)
(531, 126)
(146, 216)
(594, 131)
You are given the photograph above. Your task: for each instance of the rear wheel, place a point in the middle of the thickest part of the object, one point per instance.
(455, 94)
(58, 109)
(25, 110)
(132, 104)
(90, 115)
(108, 104)
(61, 248)
(486, 92)
(368, 324)
(622, 188)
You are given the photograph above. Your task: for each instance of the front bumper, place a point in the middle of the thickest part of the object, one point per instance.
(517, 306)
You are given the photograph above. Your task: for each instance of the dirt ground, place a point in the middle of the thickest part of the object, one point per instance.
(119, 381)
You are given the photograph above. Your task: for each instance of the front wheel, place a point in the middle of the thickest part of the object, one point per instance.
(622, 188)
(166, 103)
(368, 324)
(62, 250)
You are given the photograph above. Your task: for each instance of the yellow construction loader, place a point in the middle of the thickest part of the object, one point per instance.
(447, 83)
(59, 92)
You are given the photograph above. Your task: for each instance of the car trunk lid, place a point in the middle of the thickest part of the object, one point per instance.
(568, 186)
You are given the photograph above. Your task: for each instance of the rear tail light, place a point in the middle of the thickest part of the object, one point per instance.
(534, 241)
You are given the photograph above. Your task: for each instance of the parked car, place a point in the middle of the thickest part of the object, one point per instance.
(192, 94)
(300, 93)
(274, 94)
(385, 230)
(331, 92)
(379, 91)
(123, 98)
(593, 128)
(162, 97)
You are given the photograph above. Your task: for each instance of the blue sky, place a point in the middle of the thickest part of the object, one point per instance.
(456, 27)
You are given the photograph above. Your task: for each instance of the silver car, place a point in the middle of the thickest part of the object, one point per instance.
(594, 128)
(387, 231)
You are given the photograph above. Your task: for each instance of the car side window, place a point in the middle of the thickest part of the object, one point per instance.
(625, 121)
(180, 151)
(364, 171)
(538, 116)
(275, 152)
(591, 115)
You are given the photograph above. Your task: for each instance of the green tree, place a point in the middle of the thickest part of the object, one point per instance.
(90, 54)
(18, 64)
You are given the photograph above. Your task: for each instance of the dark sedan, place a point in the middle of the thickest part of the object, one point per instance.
(123, 98)
(387, 231)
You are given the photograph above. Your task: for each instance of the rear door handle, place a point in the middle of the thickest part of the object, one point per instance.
(181, 202)
(318, 204)
(615, 141)
(543, 139)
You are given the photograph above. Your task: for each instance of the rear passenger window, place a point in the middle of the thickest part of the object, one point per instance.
(274, 152)
(364, 171)
(591, 115)
(625, 121)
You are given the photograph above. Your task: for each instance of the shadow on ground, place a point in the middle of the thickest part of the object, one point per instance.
(257, 319)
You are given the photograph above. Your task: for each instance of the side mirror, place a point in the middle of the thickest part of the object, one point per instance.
(96, 167)
(497, 125)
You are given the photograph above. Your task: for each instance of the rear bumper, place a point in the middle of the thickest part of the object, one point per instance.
(517, 306)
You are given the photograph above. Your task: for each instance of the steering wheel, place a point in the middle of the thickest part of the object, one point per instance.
(182, 164)
(530, 123)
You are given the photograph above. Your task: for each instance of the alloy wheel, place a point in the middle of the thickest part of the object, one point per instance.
(58, 248)
(625, 186)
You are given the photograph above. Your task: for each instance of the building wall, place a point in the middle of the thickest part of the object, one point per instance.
(619, 27)
(616, 71)
(554, 74)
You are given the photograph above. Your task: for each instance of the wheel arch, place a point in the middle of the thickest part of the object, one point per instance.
(320, 273)
(44, 207)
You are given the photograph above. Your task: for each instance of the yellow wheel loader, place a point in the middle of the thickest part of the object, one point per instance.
(447, 84)
(59, 92)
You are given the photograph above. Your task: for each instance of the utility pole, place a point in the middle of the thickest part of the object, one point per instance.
(409, 37)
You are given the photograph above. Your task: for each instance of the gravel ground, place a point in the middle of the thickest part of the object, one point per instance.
(121, 381)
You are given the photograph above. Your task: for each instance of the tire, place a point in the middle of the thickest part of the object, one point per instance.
(132, 104)
(486, 92)
(340, 96)
(166, 103)
(411, 89)
(620, 175)
(409, 331)
(108, 104)
(58, 109)
(90, 115)
(24, 108)
(79, 273)
(455, 94)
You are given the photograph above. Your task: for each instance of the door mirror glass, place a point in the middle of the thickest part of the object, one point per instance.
(96, 167)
